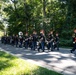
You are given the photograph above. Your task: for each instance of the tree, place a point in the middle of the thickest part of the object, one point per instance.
(27, 15)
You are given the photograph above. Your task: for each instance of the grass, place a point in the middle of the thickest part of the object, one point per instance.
(10, 65)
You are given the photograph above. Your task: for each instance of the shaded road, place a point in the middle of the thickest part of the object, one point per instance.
(61, 61)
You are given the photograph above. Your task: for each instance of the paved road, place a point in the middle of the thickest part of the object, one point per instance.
(61, 61)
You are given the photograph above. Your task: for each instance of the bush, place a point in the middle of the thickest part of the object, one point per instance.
(66, 42)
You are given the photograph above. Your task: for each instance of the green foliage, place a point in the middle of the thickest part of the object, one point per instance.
(66, 42)
(27, 15)
(1, 26)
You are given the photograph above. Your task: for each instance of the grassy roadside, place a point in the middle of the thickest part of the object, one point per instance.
(10, 65)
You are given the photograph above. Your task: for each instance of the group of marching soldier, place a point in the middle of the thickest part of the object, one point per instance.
(34, 41)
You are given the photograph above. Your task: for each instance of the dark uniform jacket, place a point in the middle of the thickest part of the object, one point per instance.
(26, 38)
(16, 39)
(34, 37)
(57, 39)
(50, 37)
(42, 37)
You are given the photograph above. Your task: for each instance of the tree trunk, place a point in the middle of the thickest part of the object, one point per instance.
(44, 12)
(25, 15)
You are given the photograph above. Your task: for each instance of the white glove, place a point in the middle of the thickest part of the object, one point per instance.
(73, 42)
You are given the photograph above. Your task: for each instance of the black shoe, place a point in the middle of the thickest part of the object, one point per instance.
(71, 51)
(52, 50)
(57, 49)
(26, 48)
(43, 51)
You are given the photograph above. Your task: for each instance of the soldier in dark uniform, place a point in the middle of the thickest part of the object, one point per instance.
(5, 39)
(74, 41)
(2, 39)
(56, 41)
(8, 40)
(20, 41)
(13, 40)
(16, 40)
(30, 41)
(26, 41)
(50, 40)
(41, 41)
(34, 40)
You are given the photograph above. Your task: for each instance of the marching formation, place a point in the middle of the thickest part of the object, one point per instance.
(33, 41)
